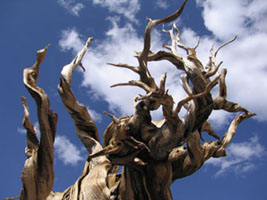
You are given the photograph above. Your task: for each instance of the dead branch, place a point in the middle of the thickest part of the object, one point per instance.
(152, 155)
(77, 61)
(38, 170)
(97, 178)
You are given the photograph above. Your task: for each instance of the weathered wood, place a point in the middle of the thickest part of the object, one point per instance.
(152, 155)
(38, 174)
(98, 178)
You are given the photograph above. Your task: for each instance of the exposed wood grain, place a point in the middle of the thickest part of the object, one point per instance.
(152, 154)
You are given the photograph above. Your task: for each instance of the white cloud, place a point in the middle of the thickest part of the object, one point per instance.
(70, 40)
(244, 59)
(220, 118)
(128, 8)
(119, 47)
(67, 152)
(97, 117)
(71, 6)
(227, 18)
(241, 157)
(162, 4)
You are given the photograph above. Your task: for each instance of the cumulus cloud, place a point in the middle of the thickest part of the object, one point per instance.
(70, 40)
(71, 6)
(246, 65)
(244, 59)
(67, 152)
(227, 18)
(119, 47)
(127, 8)
(241, 157)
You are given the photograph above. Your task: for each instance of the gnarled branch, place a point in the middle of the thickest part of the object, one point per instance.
(38, 167)
(97, 180)
(153, 155)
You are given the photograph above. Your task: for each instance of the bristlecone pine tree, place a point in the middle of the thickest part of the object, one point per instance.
(152, 155)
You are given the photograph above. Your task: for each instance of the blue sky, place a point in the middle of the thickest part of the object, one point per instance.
(117, 27)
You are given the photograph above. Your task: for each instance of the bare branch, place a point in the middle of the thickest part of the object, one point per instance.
(153, 23)
(232, 129)
(77, 61)
(213, 69)
(198, 42)
(162, 82)
(189, 50)
(85, 126)
(39, 170)
(135, 69)
(211, 66)
(98, 171)
(152, 154)
(207, 127)
(32, 140)
(182, 159)
(114, 119)
(134, 83)
(40, 57)
(220, 102)
(172, 48)
(163, 55)
(185, 84)
(195, 96)
(147, 82)
(223, 45)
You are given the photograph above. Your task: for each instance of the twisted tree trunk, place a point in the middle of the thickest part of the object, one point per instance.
(153, 156)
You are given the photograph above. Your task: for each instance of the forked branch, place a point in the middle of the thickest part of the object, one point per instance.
(146, 81)
(212, 67)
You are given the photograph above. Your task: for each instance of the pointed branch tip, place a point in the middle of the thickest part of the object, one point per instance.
(223, 45)
(114, 118)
